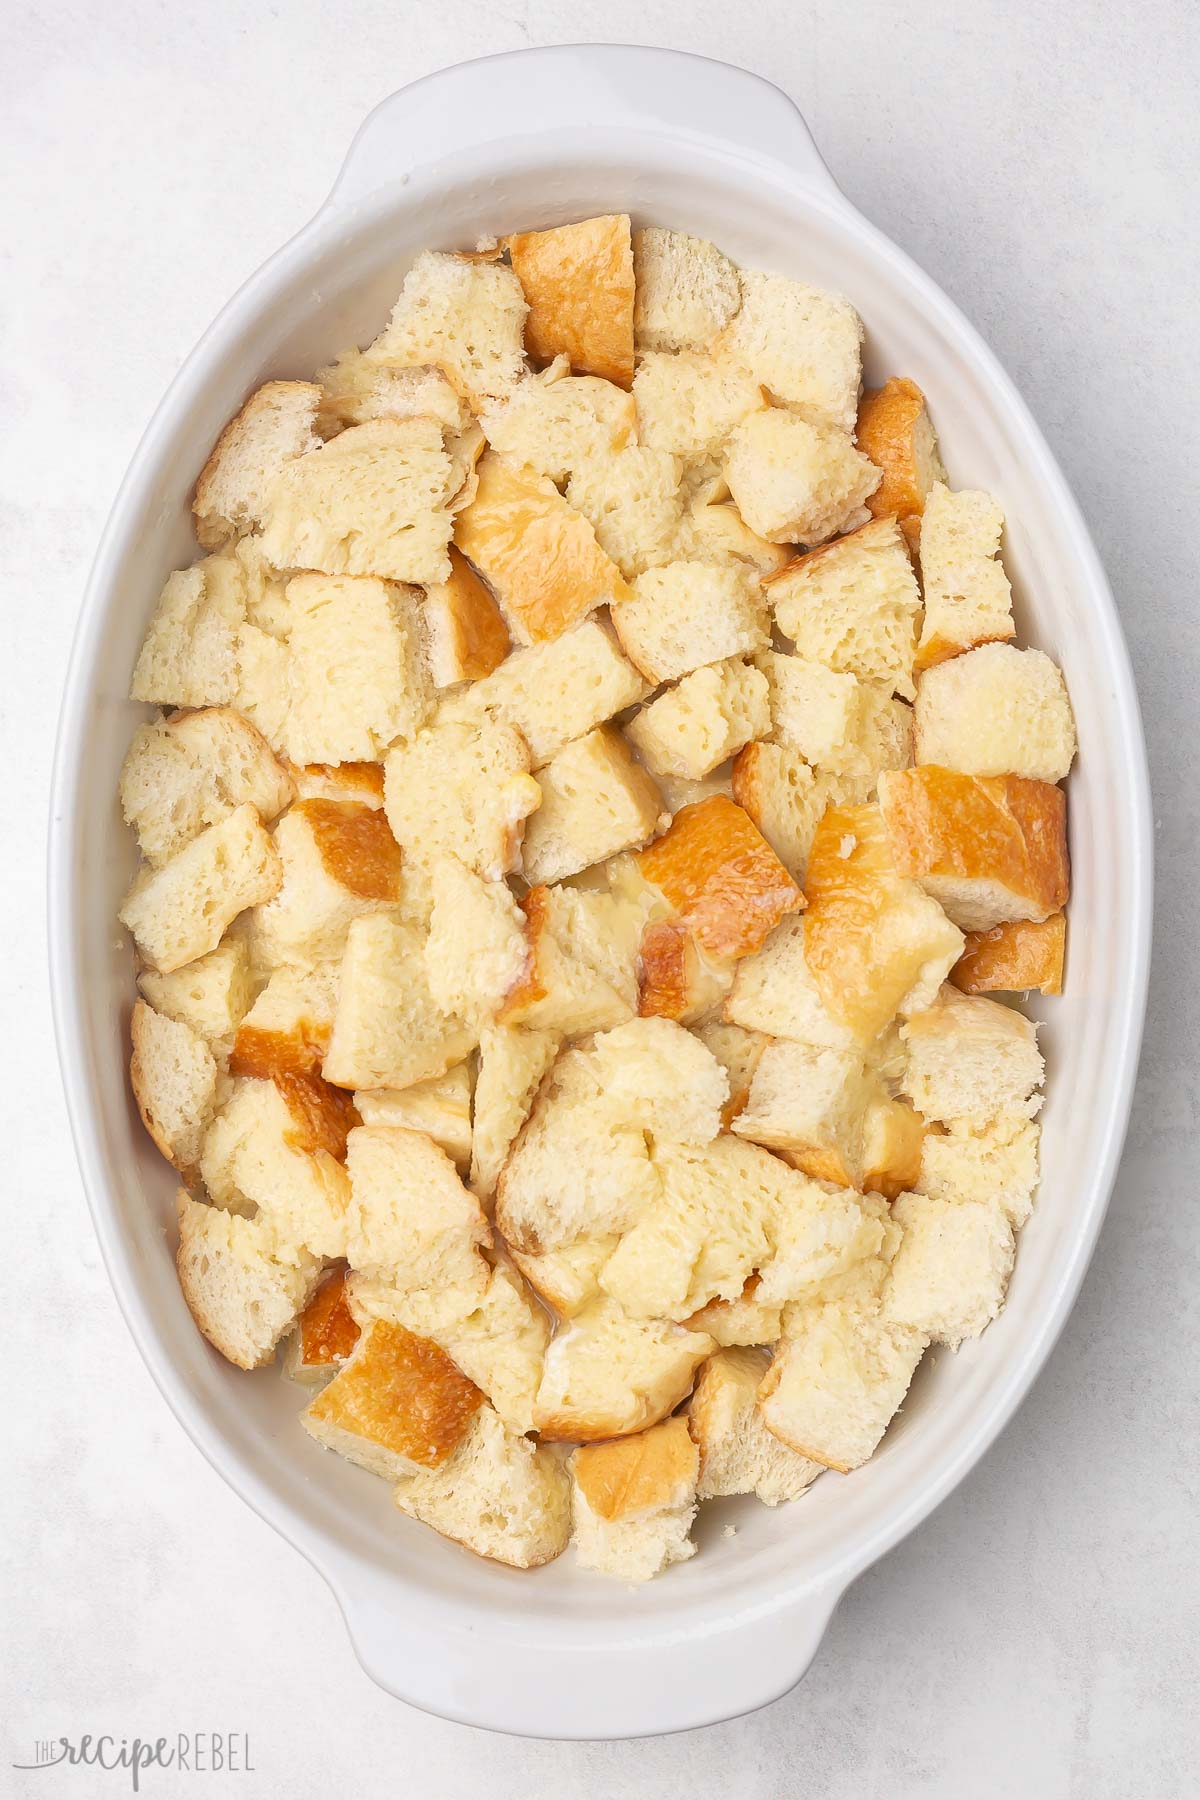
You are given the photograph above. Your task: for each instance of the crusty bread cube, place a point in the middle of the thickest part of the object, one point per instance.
(241, 1294)
(181, 911)
(893, 1135)
(853, 605)
(397, 1405)
(539, 555)
(721, 876)
(578, 280)
(358, 781)
(774, 993)
(633, 500)
(826, 1240)
(713, 531)
(800, 342)
(998, 1162)
(460, 315)
(634, 1502)
(970, 1058)
(286, 1030)
(814, 709)
(190, 654)
(192, 770)
(340, 862)
(410, 1220)
(175, 1081)
(894, 430)
(607, 1376)
(686, 614)
(596, 802)
(388, 1030)
(704, 720)
(785, 798)
(358, 676)
(554, 421)
(325, 1334)
(500, 1495)
(462, 789)
(810, 1103)
(440, 1107)
(996, 711)
(211, 995)
(372, 501)
(836, 1382)
(952, 1268)
(744, 1320)
(355, 388)
(875, 942)
(279, 1145)
(465, 634)
(677, 980)
(796, 482)
(557, 691)
(475, 950)
(738, 1455)
(688, 404)
(512, 1064)
(274, 426)
(1014, 958)
(967, 597)
(687, 291)
(737, 1050)
(988, 848)
(573, 982)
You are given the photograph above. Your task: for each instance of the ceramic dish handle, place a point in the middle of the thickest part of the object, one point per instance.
(577, 87)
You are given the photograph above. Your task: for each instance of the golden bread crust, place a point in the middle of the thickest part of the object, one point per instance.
(637, 1474)
(1014, 958)
(400, 1392)
(719, 873)
(887, 419)
(328, 1329)
(578, 280)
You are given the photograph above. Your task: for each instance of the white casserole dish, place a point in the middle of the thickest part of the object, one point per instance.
(533, 139)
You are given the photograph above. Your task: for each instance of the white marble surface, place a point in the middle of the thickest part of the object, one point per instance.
(1038, 1636)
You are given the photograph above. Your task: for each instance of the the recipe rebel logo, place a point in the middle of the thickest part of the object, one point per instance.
(189, 1752)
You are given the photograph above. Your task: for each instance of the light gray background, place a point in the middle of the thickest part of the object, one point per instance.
(1038, 1636)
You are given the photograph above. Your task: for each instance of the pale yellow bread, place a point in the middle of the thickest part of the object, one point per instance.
(803, 343)
(464, 790)
(997, 1161)
(340, 862)
(243, 1297)
(388, 1031)
(500, 1496)
(440, 1107)
(463, 315)
(687, 291)
(950, 1273)
(853, 605)
(182, 910)
(193, 769)
(996, 711)
(274, 426)
(684, 615)
(634, 1502)
(702, 721)
(794, 482)
(967, 597)
(607, 1375)
(596, 801)
(836, 1381)
(738, 1455)
(971, 1058)
(176, 1083)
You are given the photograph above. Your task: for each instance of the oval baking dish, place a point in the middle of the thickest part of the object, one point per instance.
(530, 140)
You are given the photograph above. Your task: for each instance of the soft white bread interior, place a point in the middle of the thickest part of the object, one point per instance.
(182, 910)
(853, 605)
(997, 1161)
(715, 531)
(950, 1273)
(796, 482)
(785, 798)
(843, 726)
(190, 653)
(567, 1280)
(439, 1107)
(462, 316)
(358, 676)
(836, 1381)
(276, 425)
(355, 387)
(241, 1294)
(688, 404)
(553, 421)
(580, 975)
(802, 343)
(462, 790)
(211, 995)
(685, 614)
(811, 1103)
(340, 862)
(512, 1064)
(578, 280)
(738, 1455)
(410, 1220)
(967, 597)
(607, 1375)
(895, 431)
(737, 1049)
(687, 290)
(475, 950)
(744, 1320)
(286, 1030)
(971, 1058)
(996, 711)
(279, 1145)
(702, 721)
(634, 502)
(827, 1241)
(176, 1083)
(358, 781)
(656, 1074)
(388, 1030)
(596, 802)
(634, 1502)
(397, 1405)
(500, 1495)
(774, 993)
(192, 770)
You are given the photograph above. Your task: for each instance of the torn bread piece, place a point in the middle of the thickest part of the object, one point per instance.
(357, 673)
(567, 1280)
(810, 1103)
(951, 1271)
(500, 1496)
(440, 1107)
(176, 1083)
(737, 1049)
(687, 614)
(573, 981)
(182, 910)
(465, 634)
(688, 404)
(340, 862)
(996, 711)
(355, 388)
(463, 790)
(279, 1145)
(607, 1376)
(578, 280)
(853, 605)
(554, 421)
(539, 556)
(463, 316)
(989, 849)
(687, 290)
(802, 343)
(703, 721)
(475, 950)
(839, 724)
(512, 1064)
(241, 1294)
(634, 1502)
(634, 502)
(410, 1220)
(774, 993)
(997, 1161)
(970, 1058)
(721, 876)
(596, 802)
(1014, 958)
(895, 431)
(276, 425)
(677, 980)
(796, 482)
(211, 995)
(398, 1404)
(738, 1455)
(388, 1030)
(324, 1335)
(190, 653)
(193, 769)
(358, 781)
(785, 798)
(967, 597)
(661, 1078)
(836, 1382)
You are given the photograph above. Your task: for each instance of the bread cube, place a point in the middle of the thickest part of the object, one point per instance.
(687, 291)
(274, 427)
(475, 950)
(539, 555)
(744, 1320)
(738, 1455)
(361, 782)
(967, 597)
(262, 692)
(737, 1050)
(211, 995)
(607, 1376)
(512, 1065)
(439, 1107)
(500, 1495)
(596, 802)
(568, 1280)
(810, 1103)
(388, 1031)
(286, 1030)
(712, 531)
(996, 1162)
(634, 1502)
(970, 1058)
(721, 877)
(785, 798)
(554, 421)
(802, 343)
(1014, 958)
(578, 280)
(181, 911)
(241, 1294)
(688, 404)
(410, 1220)
(573, 981)
(556, 691)
(397, 1405)
(688, 614)
(633, 500)
(952, 1268)
(355, 388)
(462, 790)
(893, 1136)
(175, 1081)
(325, 1334)
(340, 863)
(658, 1076)
(358, 676)
(876, 944)
(709, 716)
(372, 501)
(853, 605)
(774, 993)
(190, 654)
(836, 1382)
(988, 849)
(279, 1145)
(894, 430)
(677, 980)
(460, 315)
(996, 711)
(796, 482)
(192, 770)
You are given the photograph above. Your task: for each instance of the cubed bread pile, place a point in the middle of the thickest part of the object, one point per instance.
(591, 795)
